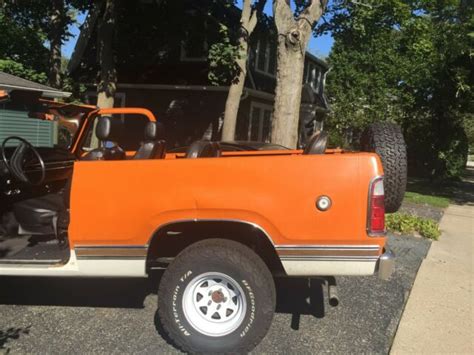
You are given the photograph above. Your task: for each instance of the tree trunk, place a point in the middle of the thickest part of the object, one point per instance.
(55, 40)
(289, 76)
(233, 97)
(248, 22)
(108, 75)
(292, 44)
(85, 35)
(107, 85)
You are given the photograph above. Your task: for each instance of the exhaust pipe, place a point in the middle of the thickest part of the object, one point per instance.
(332, 292)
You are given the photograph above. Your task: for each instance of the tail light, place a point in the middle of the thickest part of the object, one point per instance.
(376, 208)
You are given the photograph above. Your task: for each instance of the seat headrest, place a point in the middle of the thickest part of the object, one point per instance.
(154, 131)
(317, 143)
(109, 129)
(203, 149)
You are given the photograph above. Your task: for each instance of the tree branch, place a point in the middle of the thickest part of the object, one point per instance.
(313, 11)
(283, 15)
(246, 11)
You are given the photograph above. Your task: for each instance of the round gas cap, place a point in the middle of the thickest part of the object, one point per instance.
(323, 203)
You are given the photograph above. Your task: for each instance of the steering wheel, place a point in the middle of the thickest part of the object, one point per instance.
(17, 160)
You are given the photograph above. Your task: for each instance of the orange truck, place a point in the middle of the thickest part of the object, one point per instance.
(221, 224)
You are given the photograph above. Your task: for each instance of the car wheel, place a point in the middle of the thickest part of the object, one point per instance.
(217, 296)
(386, 139)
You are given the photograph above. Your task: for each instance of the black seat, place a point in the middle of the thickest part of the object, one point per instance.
(109, 131)
(153, 147)
(317, 143)
(39, 215)
(204, 149)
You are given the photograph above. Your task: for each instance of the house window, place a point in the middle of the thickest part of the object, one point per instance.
(265, 58)
(194, 51)
(260, 123)
(313, 76)
(195, 47)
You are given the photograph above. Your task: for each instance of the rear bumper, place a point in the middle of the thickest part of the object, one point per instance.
(385, 265)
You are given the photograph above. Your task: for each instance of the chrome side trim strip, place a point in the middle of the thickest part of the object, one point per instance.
(328, 252)
(111, 251)
(327, 246)
(329, 258)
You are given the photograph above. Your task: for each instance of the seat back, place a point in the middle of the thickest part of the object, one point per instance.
(203, 149)
(152, 147)
(317, 143)
(108, 130)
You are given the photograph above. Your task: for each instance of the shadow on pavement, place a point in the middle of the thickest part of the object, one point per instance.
(11, 333)
(464, 195)
(298, 296)
(294, 296)
(77, 292)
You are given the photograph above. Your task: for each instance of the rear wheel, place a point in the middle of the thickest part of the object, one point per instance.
(216, 296)
(386, 139)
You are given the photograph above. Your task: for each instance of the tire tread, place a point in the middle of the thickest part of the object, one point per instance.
(238, 254)
(386, 139)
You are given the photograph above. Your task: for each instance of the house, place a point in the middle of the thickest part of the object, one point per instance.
(162, 65)
(17, 98)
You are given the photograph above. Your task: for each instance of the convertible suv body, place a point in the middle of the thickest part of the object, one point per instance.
(220, 223)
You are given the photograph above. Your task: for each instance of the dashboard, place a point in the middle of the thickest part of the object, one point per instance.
(58, 163)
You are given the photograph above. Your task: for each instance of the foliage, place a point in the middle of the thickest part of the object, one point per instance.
(436, 201)
(26, 27)
(222, 59)
(11, 67)
(225, 52)
(22, 44)
(408, 224)
(469, 129)
(410, 62)
(36, 15)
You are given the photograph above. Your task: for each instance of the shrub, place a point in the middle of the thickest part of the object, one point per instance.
(408, 224)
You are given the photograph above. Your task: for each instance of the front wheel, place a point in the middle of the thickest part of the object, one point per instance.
(217, 296)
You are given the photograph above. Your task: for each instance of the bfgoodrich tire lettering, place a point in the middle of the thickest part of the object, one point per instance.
(226, 270)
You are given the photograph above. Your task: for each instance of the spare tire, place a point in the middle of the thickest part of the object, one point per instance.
(386, 139)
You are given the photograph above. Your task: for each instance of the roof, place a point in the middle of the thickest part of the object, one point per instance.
(10, 82)
(318, 60)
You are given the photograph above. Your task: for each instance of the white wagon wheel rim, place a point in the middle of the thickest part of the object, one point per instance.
(214, 304)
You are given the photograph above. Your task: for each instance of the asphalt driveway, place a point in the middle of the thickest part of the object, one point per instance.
(119, 316)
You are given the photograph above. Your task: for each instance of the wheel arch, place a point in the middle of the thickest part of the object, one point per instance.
(169, 239)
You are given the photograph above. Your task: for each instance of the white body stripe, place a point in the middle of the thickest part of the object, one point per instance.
(136, 267)
(81, 268)
(329, 268)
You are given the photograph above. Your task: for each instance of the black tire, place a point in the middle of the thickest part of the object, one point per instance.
(233, 260)
(386, 139)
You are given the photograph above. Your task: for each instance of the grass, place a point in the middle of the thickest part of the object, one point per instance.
(425, 192)
(432, 200)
